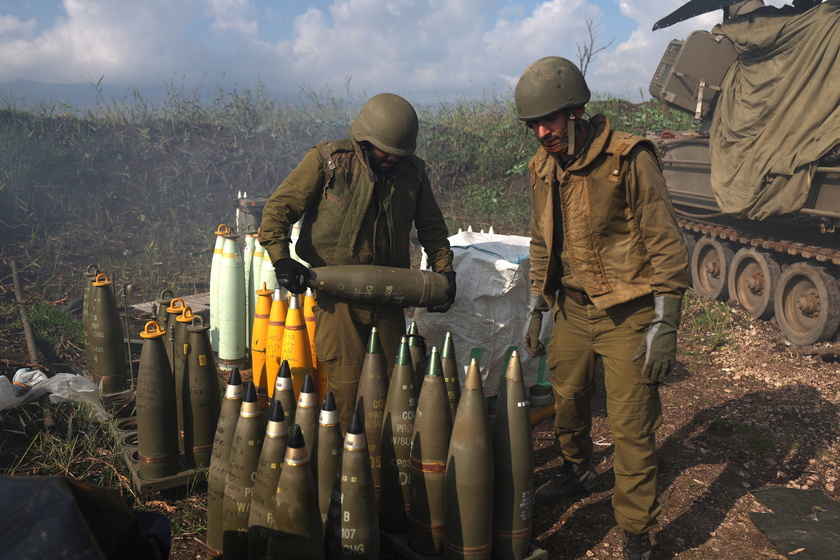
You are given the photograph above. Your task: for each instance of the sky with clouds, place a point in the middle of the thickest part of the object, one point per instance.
(423, 49)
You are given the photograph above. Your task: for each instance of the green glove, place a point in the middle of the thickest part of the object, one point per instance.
(531, 337)
(659, 346)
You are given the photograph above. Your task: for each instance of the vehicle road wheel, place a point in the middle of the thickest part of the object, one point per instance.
(807, 304)
(753, 278)
(710, 263)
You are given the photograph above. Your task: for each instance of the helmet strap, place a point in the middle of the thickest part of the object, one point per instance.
(570, 134)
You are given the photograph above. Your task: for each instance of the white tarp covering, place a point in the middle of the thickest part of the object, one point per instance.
(491, 306)
(30, 384)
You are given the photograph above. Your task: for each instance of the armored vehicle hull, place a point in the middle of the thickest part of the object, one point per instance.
(757, 186)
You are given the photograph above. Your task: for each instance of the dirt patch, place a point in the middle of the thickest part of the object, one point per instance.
(751, 414)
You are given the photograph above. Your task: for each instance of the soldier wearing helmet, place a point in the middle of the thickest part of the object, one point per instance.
(359, 198)
(608, 259)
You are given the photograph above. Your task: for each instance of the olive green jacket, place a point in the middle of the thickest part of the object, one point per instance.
(332, 188)
(618, 238)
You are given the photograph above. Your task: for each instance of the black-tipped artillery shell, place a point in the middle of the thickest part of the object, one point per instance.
(242, 468)
(295, 529)
(352, 527)
(217, 473)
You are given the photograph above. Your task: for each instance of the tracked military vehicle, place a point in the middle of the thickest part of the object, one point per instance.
(757, 185)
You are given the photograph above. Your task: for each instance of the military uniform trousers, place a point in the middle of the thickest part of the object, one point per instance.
(342, 330)
(581, 334)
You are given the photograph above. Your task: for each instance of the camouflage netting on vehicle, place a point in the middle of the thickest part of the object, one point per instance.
(779, 109)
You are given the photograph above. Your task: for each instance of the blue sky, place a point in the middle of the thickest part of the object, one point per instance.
(423, 49)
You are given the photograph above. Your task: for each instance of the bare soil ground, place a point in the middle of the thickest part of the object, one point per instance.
(739, 416)
(756, 412)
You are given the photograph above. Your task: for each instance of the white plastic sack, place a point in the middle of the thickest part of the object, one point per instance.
(60, 387)
(491, 306)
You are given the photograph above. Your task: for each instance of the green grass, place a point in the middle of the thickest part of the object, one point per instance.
(708, 324)
(53, 327)
(78, 446)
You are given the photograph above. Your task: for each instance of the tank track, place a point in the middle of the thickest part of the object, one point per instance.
(792, 250)
(802, 250)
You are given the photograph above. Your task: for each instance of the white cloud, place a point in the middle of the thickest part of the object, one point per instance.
(121, 39)
(11, 26)
(234, 16)
(553, 29)
(420, 47)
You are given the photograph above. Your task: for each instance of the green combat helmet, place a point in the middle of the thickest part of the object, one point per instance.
(389, 122)
(547, 86)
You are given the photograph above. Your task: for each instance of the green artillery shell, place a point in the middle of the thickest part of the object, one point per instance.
(179, 371)
(175, 309)
(295, 528)
(429, 448)
(217, 473)
(352, 529)
(162, 303)
(202, 399)
(417, 346)
(450, 373)
(397, 427)
(265, 485)
(284, 385)
(157, 437)
(242, 469)
(513, 458)
(326, 453)
(382, 285)
(87, 300)
(306, 415)
(107, 364)
(370, 401)
(468, 527)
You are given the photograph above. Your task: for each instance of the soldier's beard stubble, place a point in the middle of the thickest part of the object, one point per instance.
(555, 143)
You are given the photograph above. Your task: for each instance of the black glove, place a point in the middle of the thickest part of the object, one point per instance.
(450, 295)
(531, 337)
(291, 275)
(659, 347)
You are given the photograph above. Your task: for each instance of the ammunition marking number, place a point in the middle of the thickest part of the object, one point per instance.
(346, 532)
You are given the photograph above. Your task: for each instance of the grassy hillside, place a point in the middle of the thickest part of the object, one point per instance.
(138, 189)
